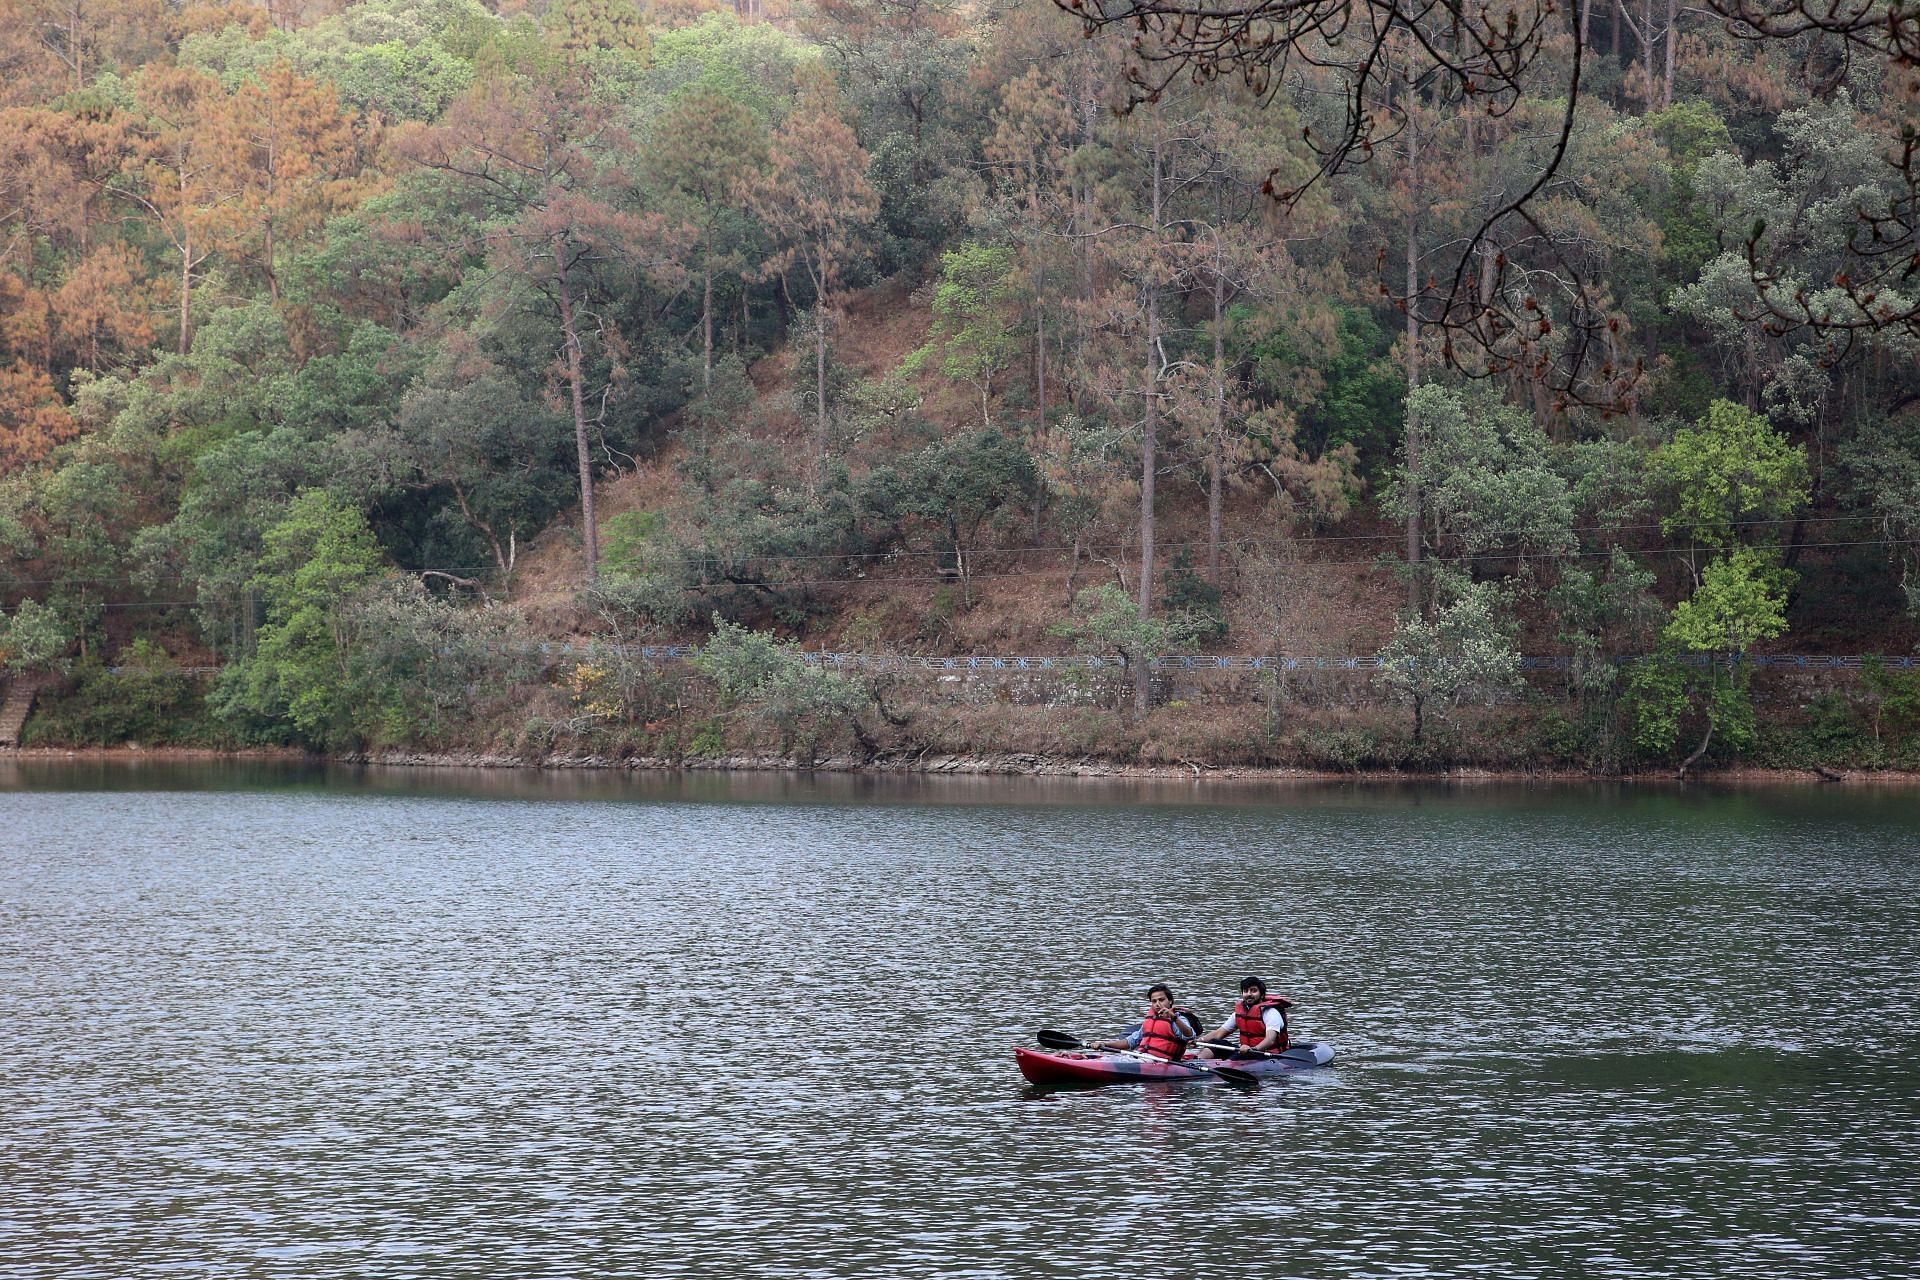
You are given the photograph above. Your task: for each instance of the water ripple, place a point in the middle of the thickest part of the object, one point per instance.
(361, 1027)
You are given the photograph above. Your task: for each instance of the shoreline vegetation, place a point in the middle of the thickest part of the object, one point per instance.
(1015, 764)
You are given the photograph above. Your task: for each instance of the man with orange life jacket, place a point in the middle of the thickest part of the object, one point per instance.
(1259, 1019)
(1164, 1032)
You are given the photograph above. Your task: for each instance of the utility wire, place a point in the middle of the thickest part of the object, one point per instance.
(1395, 536)
(1373, 562)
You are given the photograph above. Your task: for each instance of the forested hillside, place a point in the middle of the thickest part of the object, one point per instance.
(351, 354)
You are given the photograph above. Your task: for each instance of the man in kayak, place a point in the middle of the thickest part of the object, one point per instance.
(1260, 1020)
(1165, 1031)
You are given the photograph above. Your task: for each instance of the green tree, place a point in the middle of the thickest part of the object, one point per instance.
(33, 638)
(395, 60)
(1883, 462)
(466, 429)
(1726, 479)
(1741, 601)
(316, 556)
(1465, 650)
(975, 316)
(1488, 485)
(703, 151)
(960, 484)
(1107, 622)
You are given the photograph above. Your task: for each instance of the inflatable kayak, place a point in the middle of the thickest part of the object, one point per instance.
(1092, 1066)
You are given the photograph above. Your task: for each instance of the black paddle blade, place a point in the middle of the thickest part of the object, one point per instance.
(1058, 1040)
(1235, 1076)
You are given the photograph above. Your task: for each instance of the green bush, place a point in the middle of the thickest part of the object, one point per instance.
(147, 699)
(1343, 747)
(1835, 731)
(770, 680)
(418, 670)
(1187, 593)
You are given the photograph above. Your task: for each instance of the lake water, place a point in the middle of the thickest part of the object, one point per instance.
(297, 1023)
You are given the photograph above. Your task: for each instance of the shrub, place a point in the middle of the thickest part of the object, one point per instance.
(1186, 592)
(146, 699)
(770, 680)
(419, 669)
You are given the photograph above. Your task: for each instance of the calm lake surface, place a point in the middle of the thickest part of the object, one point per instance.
(288, 1023)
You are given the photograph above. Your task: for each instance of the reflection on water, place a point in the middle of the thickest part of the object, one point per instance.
(305, 1021)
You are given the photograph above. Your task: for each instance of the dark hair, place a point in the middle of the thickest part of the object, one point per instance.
(1160, 986)
(1251, 981)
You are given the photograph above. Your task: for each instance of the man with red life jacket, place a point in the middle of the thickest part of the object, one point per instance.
(1260, 1020)
(1164, 1032)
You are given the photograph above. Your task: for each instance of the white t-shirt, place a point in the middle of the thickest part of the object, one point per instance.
(1275, 1022)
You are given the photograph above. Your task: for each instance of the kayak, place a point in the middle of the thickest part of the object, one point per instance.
(1093, 1066)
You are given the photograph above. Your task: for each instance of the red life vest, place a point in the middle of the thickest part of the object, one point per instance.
(1162, 1037)
(1252, 1024)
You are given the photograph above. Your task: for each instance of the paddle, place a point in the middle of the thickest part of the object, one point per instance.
(1058, 1040)
(1232, 1075)
(1298, 1051)
(1238, 1051)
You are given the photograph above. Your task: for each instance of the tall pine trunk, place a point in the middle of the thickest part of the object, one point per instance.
(1040, 345)
(1149, 436)
(576, 378)
(1215, 461)
(706, 328)
(1413, 346)
(1673, 32)
(186, 289)
(820, 386)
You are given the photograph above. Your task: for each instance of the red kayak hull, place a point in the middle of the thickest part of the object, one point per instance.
(1055, 1068)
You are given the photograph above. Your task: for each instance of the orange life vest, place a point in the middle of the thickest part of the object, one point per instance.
(1251, 1021)
(1161, 1035)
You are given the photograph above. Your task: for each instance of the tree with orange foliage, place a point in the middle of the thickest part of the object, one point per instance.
(32, 419)
(302, 154)
(816, 198)
(102, 306)
(188, 173)
(53, 46)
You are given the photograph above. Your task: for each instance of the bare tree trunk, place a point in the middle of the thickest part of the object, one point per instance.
(820, 385)
(706, 329)
(1673, 32)
(186, 289)
(589, 526)
(1646, 48)
(1215, 461)
(1040, 346)
(503, 557)
(1083, 199)
(273, 277)
(1413, 345)
(1149, 433)
(1698, 751)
